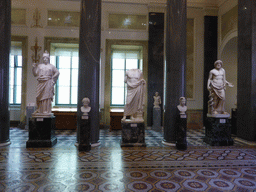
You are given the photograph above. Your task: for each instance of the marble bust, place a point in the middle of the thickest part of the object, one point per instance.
(46, 75)
(85, 108)
(136, 87)
(216, 86)
(182, 106)
(157, 100)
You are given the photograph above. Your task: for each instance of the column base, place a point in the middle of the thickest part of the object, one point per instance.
(218, 131)
(133, 134)
(169, 143)
(41, 132)
(5, 144)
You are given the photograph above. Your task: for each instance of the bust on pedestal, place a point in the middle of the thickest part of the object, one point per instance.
(133, 129)
(218, 128)
(181, 132)
(42, 123)
(157, 112)
(84, 130)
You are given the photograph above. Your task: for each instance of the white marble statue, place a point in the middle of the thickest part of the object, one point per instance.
(46, 75)
(157, 100)
(86, 108)
(136, 87)
(182, 106)
(217, 86)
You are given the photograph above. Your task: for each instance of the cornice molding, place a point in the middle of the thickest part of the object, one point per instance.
(155, 3)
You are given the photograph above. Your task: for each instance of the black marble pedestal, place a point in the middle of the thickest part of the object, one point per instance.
(84, 135)
(133, 134)
(218, 131)
(233, 121)
(41, 132)
(181, 132)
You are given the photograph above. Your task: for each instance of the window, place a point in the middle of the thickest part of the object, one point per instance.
(66, 61)
(15, 73)
(121, 61)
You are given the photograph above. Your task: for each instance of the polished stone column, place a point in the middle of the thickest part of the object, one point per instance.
(210, 55)
(89, 63)
(5, 41)
(175, 66)
(246, 81)
(155, 61)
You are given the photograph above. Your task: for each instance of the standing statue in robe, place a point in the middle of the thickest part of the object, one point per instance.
(217, 86)
(46, 75)
(136, 87)
(157, 100)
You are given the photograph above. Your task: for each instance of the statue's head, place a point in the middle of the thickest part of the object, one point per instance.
(156, 93)
(46, 57)
(86, 101)
(218, 62)
(182, 101)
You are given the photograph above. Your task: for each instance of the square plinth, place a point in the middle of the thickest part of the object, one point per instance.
(133, 134)
(84, 134)
(41, 132)
(218, 131)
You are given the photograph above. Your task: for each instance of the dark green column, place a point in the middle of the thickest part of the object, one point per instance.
(210, 55)
(89, 63)
(155, 61)
(246, 76)
(175, 65)
(5, 41)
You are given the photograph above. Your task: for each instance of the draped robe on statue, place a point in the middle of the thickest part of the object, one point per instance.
(218, 96)
(135, 93)
(47, 75)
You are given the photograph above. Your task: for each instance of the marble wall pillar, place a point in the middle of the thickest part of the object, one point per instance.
(210, 55)
(89, 63)
(246, 82)
(5, 41)
(175, 65)
(155, 61)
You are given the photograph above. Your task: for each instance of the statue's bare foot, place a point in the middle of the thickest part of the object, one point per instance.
(224, 113)
(214, 112)
(124, 118)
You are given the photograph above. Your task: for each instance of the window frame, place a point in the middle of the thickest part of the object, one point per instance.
(125, 69)
(15, 68)
(70, 86)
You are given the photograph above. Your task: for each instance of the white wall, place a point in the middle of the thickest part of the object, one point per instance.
(229, 58)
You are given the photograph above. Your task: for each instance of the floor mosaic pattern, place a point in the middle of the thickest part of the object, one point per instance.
(109, 167)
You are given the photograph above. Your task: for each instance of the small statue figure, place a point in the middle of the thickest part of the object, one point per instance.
(217, 86)
(157, 100)
(46, 75)
(85, 108)
(135, 95)
(182, 106)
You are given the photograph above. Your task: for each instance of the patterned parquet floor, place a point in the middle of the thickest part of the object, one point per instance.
(109, 167)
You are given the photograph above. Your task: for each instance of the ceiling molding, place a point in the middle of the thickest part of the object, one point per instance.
(190, 3)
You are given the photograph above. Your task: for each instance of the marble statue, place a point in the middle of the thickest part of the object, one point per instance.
(85, 108)
(136, 87)
(46, 75)
(217, 86)
(157, 100)
(182, 106)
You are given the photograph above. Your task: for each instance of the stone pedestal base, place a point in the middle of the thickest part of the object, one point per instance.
(181, 132)
(133, 134)
(84, 135)
(218, 131)
(157, 119)
(41, 132)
